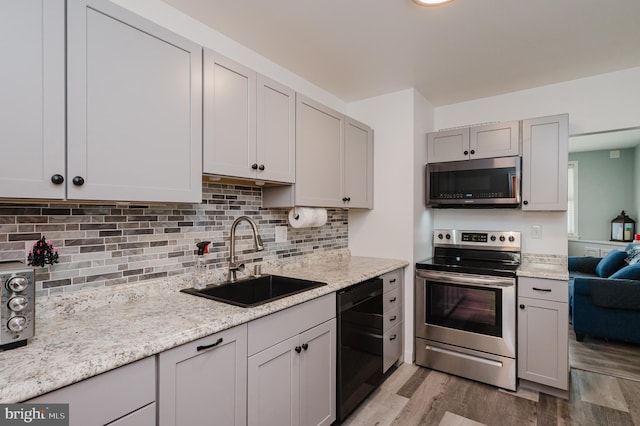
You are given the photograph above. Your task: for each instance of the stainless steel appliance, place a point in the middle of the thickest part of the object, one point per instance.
(17, 309)
(465, 316)
(486, 182)
(360, 344)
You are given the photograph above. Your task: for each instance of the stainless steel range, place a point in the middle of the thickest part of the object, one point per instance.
(466, 305)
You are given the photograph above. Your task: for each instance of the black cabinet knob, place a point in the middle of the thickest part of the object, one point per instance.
(57, 179)
(521, 306)
(305, 346)
(525, 202)
(466, 153)
(344, 199)
(254, 166)
(261, 167)
(78, 181)
(473, 151)
(298, 349)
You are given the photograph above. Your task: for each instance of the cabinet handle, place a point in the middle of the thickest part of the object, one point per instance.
(466, 153)
(261, 167)
(57, 179)
(393, 337)
(393, 318)
(78, 181)
(525, 202)
(392, 281)
(546, 290)
(344, 199)
(521, 306)
(392, 300)
(348, 199)
(202, 348)
(305, 346)
(473, 151)
(298, 349)
(254, 166)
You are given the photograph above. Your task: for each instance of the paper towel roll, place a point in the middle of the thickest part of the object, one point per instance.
(307, 217)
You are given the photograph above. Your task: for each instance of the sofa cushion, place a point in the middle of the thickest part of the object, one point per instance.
(609, 264)
(612, 294)
(631, 272)
(583, 264)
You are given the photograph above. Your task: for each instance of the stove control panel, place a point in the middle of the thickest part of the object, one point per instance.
(17, 304)
(489, 240)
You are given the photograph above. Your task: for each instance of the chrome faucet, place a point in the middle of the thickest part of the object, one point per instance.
(257, 240)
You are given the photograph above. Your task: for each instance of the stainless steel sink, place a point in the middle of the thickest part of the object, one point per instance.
(255, 291)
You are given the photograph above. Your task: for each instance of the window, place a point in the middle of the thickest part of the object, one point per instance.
(572, 197)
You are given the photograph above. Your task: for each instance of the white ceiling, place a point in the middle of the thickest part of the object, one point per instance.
(463, 50)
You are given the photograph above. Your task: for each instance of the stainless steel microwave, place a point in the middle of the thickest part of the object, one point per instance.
(485, 182)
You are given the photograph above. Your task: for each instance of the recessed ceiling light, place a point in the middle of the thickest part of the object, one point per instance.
(431, 2)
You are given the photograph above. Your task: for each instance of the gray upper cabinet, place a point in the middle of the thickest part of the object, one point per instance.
(358, 164)
(32, 126)
(249, 123)
(205, 382)
(544, 163)
(486, 141)
(134, 108)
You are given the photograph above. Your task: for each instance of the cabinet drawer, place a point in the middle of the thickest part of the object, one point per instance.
(543, 289)
(392, 317)
(391, 299)
(267, 331)
(126, 389)
(391, 346)
(391, 280)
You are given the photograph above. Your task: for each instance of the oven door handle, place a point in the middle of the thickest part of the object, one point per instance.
(467, 279)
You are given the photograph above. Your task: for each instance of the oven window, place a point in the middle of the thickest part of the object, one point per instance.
(468, 308)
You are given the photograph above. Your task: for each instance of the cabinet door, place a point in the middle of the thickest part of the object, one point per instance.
(543, 342)
(32, 97)
(134, 100)
(318, 375)
(319, 140)
(358, 164)
(494, 140)
(204, 382)
(545, 163)
(273, 385)
(448, 145)
(276, 138)
(229, 117)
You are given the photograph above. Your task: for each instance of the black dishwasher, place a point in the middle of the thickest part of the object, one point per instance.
(359, 361)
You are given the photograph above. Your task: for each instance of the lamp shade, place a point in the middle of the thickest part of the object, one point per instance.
(623, 228)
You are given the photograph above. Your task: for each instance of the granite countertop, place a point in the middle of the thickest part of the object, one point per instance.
(82, 334)
(552, 267)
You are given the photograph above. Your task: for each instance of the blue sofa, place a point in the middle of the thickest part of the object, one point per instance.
(604, 296)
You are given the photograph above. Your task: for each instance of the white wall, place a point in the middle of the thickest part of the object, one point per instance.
(176, 21)
(399, 226)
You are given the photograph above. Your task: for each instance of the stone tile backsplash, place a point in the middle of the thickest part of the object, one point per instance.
(114, 243)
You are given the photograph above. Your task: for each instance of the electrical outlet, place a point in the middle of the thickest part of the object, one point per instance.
(536, 231)
(281, 234)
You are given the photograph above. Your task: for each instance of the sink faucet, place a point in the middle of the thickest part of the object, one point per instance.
(257, 240)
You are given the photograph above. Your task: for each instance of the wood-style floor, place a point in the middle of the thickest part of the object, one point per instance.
(419, 396)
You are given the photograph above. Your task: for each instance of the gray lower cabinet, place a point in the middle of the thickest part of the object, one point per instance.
(543, 324)
(292, 366)
(392, 318)
(204, 382)
(124, 396)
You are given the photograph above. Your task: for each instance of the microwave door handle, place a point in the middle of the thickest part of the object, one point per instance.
(516, 188)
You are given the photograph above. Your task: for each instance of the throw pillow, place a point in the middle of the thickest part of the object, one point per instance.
(631, 272)
(633, 254)
(609, 264)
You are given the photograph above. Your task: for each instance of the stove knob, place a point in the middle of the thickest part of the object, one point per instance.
(17, 283)
(18, 303)
(440, 236)
(502, 238)
(511, 239)
(493, 238)
(17, 324)
(448, 236)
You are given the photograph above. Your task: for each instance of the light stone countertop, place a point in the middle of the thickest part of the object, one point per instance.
(552, 267)
(82, 334)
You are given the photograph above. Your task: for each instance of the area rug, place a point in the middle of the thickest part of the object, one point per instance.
(612, 358)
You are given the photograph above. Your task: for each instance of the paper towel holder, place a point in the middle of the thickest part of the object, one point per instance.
(295, 211)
